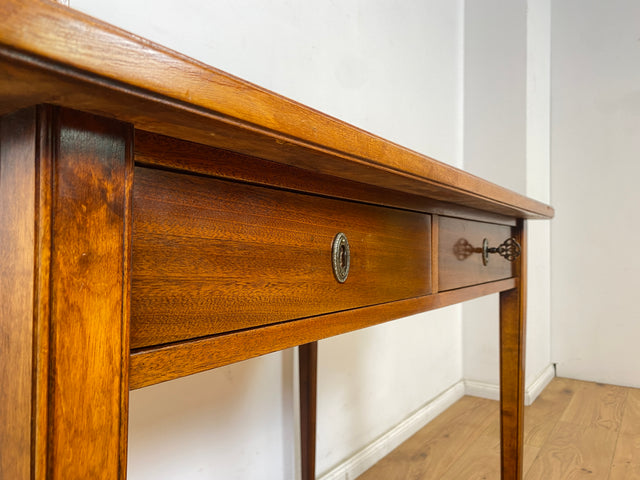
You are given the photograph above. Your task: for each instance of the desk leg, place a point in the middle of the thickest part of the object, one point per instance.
(88, 392)
(66, 179)
(308, 366)
(512, 358)
(18, 210)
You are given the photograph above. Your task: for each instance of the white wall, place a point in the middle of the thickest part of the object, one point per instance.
(538, 185)
(494, 148)
(495, 69)
(393, 68)
(595, 172)
(506, 140)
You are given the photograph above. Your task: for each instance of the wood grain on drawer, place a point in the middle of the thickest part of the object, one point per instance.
(211, 256)
(456, 270)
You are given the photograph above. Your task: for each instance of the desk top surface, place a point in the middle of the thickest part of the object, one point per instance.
(50, 53)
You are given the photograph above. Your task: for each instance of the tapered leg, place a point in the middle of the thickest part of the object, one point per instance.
(308, 366)
(512, 358)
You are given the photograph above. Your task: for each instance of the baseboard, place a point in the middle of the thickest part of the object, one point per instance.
(370, 455)
(482, 390)
(492, 391)
(539, 384)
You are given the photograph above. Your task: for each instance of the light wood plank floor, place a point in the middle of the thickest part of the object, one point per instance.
(574, 430)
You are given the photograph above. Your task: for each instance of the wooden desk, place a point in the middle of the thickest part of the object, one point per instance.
(160, 218)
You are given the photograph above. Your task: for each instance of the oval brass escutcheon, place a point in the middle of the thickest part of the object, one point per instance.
(340, 257)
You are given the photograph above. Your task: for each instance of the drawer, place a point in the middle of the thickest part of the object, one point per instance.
(460, 261)
(212, 256)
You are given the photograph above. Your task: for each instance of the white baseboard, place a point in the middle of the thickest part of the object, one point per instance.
(370, 455)
(482, 390)
(492, 391)
(539, 384)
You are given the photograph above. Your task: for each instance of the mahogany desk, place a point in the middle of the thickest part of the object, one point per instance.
(160, 218)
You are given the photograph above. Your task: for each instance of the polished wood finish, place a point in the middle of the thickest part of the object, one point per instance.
(308, 374)
(435, 253)
(229, 178)
(17, 246)
(574, 429)
(158, 364)
(513, 307)
(456, 272)
(89, 287)
(65, 189)
(211, 256)
(44, 159)
(177, 96)
(170, 153)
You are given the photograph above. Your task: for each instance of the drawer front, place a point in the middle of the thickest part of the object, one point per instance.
(459, 259)
(211, 256)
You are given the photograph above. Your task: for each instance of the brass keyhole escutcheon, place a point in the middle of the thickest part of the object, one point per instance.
(485, 252)
(340, 257)
(510, 249)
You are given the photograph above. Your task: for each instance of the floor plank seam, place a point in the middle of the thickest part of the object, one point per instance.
(577, 429)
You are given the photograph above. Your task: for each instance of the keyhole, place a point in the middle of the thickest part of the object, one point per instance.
(340, 257)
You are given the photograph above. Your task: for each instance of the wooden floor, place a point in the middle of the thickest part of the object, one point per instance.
(574, 430)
